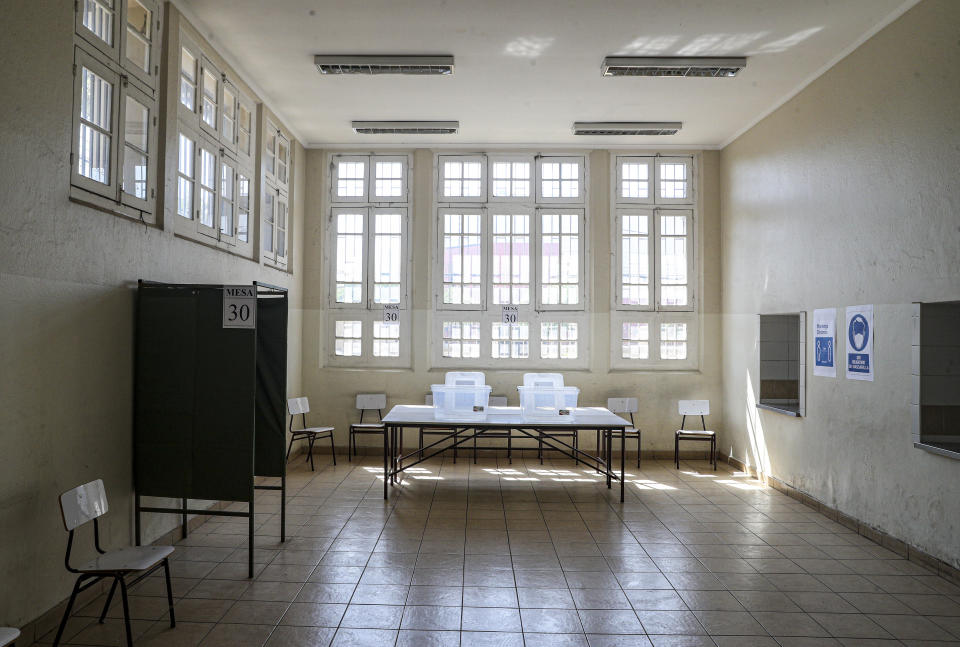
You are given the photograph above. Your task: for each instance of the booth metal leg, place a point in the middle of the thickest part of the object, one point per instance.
(623, 458)
(136, 518)
(386, 458)
(183, 520)
(283, 507)
(250, 537)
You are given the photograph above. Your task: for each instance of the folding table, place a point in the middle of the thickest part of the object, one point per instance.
(498, 420)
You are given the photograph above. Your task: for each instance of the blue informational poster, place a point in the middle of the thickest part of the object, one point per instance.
(824, 342)
(860, 334)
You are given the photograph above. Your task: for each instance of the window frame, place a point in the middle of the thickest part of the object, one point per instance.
(687, 161)
(230, 162)
(509, 209)
(112, 50)
(109, 190)
(617, 247)
(581, 161)
(492, 159)
(367, 281)
(335, 179)
(650, 162)
(691, 260)
(229, 143)
(281, 202)
(366, 359)
(581, 259)
(146, 204)
(467, 158)
(213, 148)
(150, 77)
(206, 65)
(438, 259)
(533, 319)
(654, 361)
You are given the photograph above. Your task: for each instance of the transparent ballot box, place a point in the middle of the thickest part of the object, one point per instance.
(464, 397)
(544, 398)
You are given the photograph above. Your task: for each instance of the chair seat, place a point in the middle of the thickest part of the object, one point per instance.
(367, 425)
(313, 430)
(134, 558)
(8, 635)
(688, 433)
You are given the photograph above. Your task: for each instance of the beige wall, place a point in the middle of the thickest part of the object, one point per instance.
(67, 280)
(332, 390)
(849, 194)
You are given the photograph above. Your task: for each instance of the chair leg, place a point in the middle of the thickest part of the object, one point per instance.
(713, 448)
(351, 447)
(509, 447)
(333, 449)
(310, 451)
(290, 446)
(638, 448)
(576, 448)
(540, 446)
(166, 571)
(474, 446)
(676, 450)
(106, 606)
(66, 612)
(126, 610)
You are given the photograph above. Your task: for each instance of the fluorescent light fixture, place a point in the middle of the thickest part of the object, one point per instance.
(406, 127)
(366, 64)
(626, 127)
(682, 67)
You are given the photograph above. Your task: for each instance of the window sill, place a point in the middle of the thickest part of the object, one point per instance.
(100, 203)
(934, 449)
(210, 243)
(783, 409)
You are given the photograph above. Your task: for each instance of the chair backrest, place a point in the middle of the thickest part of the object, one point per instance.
(622, 405)
(498, 401)
(368, 401)
(83, 503)
(298, 406)
(461, 378)
(694, 407)
(543, 379)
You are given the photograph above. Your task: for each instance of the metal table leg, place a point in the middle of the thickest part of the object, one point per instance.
(623, 454)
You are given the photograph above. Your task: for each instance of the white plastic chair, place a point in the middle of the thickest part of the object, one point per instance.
(629, 406)
(301, 407)
(367, 402)
(695, 408)
(87, 503)
(8, 635)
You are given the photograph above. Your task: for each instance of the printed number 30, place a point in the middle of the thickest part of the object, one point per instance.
(242, 313)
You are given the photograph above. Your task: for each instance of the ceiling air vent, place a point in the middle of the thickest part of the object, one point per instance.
(692, 66)
(626, 127)
(363, 64)
(406, 127)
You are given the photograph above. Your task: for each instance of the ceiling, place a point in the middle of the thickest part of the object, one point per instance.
(527, 69)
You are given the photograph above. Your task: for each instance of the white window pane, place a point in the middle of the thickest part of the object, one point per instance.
(98, 18)
(243, 208)
(350, 179)
(349, 260)
(134, 173)
(94, 154)
(635, 181)
(347, 341)
(510, 341)
(229, 112)
(95, 99)
(188, 79)
(269, 221)
(185, 161)
(210, 92)
(388, 179)
(387, 257)
(673, 341)
(673, 181)
(138, 35)
(136, 124)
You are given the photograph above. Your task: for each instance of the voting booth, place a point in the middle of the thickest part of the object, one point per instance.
(209, 397)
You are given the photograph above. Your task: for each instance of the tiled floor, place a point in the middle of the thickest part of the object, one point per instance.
(524, 554)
